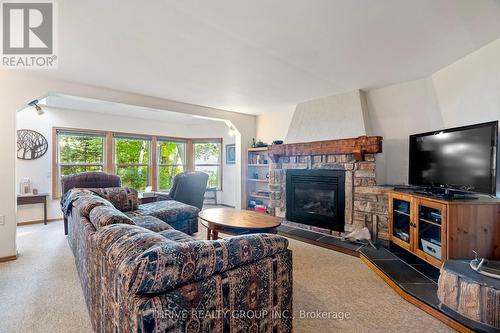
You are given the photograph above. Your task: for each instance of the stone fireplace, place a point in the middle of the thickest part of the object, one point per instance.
(364, 203)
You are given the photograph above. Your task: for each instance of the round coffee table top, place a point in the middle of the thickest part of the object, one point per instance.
(240, 219)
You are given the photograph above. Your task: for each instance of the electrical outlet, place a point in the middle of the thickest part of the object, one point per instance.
(2, 219)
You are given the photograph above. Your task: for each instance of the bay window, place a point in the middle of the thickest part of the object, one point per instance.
(139, 160)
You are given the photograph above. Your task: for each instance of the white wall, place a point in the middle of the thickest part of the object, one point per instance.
(40, 170)
(468, 91)
(8, 174)
(19, 87)
(273, 125)
(332, 117)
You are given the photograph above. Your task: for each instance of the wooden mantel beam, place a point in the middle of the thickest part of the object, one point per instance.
(356, 146)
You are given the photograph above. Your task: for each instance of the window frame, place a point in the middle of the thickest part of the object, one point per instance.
(56, 156)
(185, 158)
(220, 160)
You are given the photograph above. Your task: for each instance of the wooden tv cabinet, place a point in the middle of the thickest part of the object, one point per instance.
(437, 229)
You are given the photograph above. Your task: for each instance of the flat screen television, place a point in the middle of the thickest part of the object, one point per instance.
(462, 158)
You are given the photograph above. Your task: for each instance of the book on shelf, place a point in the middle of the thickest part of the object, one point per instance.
(257, 159)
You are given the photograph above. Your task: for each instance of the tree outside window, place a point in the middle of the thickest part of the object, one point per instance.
(80, 152)
(132, 161)
(171, 161)
(208, 159)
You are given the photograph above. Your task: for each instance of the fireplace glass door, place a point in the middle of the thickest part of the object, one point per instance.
(316, 198)
(312, 199)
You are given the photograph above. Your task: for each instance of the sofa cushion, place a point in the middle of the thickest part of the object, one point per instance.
(105, 215)
(122, 242)
(176, 235)
(123, 198)
(167, 211)
(88, 202)
(151, 223)
(173, 264)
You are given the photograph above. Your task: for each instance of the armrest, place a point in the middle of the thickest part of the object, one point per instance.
(171, 265)
(162, 196)
(71, 196)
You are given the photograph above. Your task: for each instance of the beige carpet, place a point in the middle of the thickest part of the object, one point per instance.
(40, 292)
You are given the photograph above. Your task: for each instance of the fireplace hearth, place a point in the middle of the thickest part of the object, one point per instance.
(316, 198)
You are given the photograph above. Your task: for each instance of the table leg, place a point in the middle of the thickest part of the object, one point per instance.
(45, 212)
(215, 235)
(209, 234)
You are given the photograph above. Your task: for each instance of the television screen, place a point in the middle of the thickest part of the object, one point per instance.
(461, 158)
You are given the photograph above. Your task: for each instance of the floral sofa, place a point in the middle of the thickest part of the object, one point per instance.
(180, 216)
(139, 274)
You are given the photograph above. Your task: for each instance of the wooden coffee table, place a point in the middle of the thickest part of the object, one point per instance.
(235, 222)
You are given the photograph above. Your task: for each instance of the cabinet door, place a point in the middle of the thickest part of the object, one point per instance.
(430, 231)
(400, 207)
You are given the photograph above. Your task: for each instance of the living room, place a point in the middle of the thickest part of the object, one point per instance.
(249, 166)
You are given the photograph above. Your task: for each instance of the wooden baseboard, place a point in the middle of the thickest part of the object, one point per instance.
(8, 258)
(418, 303)
(38, 221)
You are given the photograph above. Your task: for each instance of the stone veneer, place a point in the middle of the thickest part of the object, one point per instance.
(365, 203)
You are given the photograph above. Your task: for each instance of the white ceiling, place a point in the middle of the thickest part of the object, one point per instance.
(265, 55)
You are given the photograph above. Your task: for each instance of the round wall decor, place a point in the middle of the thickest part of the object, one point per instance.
(31, 144)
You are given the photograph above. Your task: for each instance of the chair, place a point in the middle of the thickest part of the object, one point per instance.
(87, 180)
(211, 194)
(188, 187)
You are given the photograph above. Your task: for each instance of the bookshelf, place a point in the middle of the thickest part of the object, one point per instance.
(257, 196)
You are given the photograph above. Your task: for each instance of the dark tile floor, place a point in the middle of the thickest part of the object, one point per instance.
(430, 271)
(320, 239)
(410, 273)
(400, 272)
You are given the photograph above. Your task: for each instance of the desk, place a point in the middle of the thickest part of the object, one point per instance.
(30, 199)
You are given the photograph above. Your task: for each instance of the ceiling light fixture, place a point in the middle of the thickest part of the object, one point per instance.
(38, 108)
